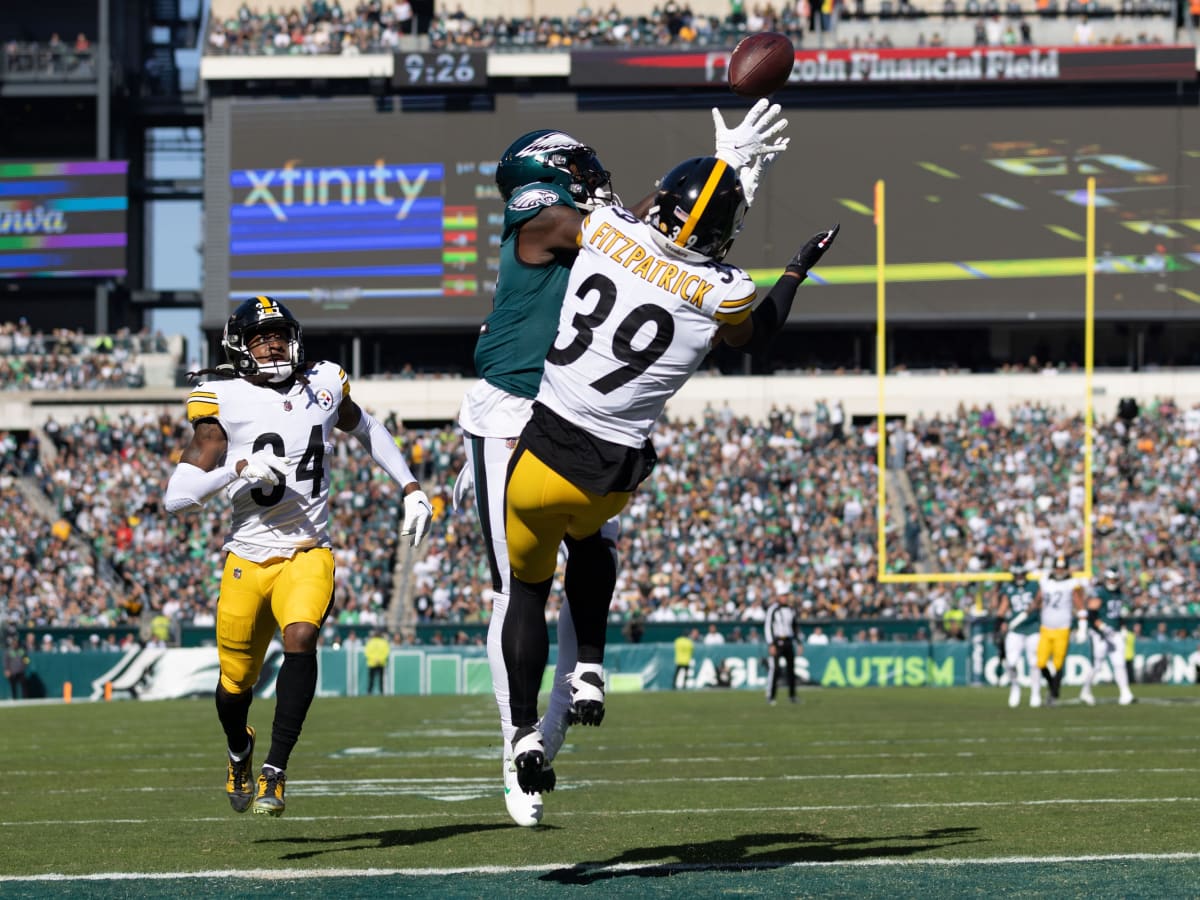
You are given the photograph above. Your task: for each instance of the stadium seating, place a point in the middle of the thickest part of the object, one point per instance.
(265, 30)
(737, 512)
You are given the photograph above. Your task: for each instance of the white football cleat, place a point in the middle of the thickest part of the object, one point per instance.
(1035, 700)
(534, 774)
(524, 809)
(1126, 699)
(1014, 697)
(587, 695)
(1085, 697)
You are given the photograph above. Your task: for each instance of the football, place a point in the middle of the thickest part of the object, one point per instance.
(760, 64)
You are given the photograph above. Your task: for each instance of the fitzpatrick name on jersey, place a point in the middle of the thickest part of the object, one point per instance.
(635, 324)
(276, 522)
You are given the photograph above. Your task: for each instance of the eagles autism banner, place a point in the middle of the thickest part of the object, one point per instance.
(144, 673)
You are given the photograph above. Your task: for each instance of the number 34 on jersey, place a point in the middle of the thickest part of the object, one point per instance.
(297, 424)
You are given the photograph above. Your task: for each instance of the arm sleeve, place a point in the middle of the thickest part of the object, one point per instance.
(382, 446)
(190, 487)
(771, 314)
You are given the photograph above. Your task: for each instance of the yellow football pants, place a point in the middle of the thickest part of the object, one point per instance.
(541, 507)
(257, 597)
(1052, 643)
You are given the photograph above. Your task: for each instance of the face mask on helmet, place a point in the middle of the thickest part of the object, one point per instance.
(253, 317)
(699, 208)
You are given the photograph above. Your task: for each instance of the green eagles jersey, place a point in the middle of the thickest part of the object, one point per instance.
(1112, 607)
(515, 338)
(1020, 600)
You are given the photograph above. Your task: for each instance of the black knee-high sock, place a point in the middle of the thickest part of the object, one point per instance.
(233, 711)
(591, 577)
(294, 690)
(526, 646)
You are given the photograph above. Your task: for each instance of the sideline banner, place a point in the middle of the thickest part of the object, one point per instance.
(908, 65)
(144, 673)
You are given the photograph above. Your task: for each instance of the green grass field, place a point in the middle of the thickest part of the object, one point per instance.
(851, 793)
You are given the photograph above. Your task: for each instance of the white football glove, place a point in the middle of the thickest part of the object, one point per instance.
(264, 467)
(751, 175)
(1081, 630)
(759, 134)
(418, 516)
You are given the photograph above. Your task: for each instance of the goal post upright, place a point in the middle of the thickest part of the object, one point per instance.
(1089, 363)
(883, 576)
(881, 370)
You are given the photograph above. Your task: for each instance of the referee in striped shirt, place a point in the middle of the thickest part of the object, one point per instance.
(779, 629)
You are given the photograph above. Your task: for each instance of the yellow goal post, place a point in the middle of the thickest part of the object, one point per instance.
(1089, 348)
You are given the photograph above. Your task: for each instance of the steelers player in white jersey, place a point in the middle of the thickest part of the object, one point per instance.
(1060, 603)
(549, 181)
(262, 434)
(646, 301)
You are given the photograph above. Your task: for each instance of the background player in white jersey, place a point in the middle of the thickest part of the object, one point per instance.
(1060, 601)
(646, 302)
(1018, 602)
(262, 432)
(1102, 628)
(548, 181)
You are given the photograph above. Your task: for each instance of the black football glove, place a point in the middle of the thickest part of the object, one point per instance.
(810, 254)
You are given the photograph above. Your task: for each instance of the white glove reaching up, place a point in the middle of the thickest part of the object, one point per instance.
(418, 517)
(751, 175)
(264, 467)
(1081, 629)
(759, 134)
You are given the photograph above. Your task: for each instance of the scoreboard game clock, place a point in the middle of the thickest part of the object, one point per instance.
(440, 69)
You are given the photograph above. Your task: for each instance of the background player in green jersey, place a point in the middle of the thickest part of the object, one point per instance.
(1018, 599)
(549, 180)
(1102, 628)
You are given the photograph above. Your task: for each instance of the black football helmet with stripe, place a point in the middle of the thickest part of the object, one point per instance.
(255, 315)
(699, 208)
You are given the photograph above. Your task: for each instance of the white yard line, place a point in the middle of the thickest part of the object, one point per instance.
(750, 810)
(881, 862)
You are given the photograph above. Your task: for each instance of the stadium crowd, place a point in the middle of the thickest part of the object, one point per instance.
(376, 26)
(65, 359)
(737, 512)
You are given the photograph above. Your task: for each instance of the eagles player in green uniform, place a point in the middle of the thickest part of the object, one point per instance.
(1105, 611)
(1018, 600)
(549, 182)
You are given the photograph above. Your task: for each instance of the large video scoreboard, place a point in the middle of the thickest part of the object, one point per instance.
(362, 214)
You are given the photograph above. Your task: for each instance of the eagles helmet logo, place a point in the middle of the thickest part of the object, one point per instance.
(549, 142)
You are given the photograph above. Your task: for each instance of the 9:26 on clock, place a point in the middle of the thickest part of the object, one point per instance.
(443, 69)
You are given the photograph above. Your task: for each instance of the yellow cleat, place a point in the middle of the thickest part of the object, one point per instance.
(269, 801)
(237, 781)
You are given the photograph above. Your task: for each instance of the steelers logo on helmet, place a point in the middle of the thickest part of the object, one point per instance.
(259, 314)
(1060, 568)
(698, 209)
(554, 157)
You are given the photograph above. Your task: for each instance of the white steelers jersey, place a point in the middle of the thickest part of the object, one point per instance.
(298, 424)
(1058, 601)
(635, 325)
